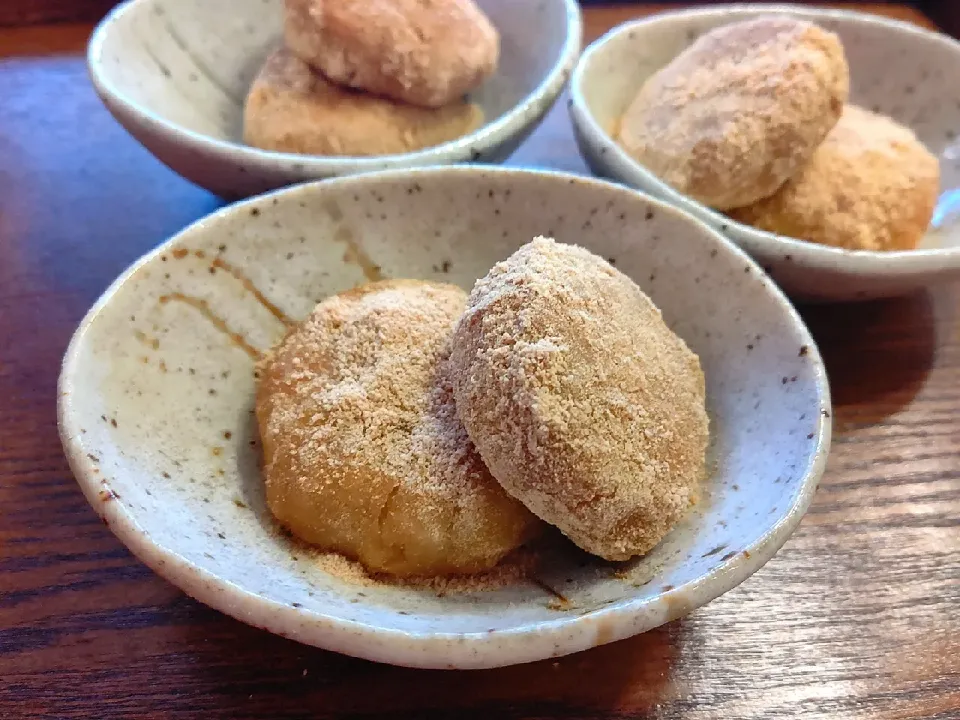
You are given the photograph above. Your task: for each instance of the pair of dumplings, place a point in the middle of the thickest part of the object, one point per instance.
(425, 432)
(371, 77)
(753, 119)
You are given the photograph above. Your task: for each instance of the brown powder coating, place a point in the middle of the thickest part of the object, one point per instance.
(871, 186)
(363, 451)
(740, 110)
(291, 108)
(581, 400)
(422, 52)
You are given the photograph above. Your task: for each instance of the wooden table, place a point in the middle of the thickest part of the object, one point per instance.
(857, 617)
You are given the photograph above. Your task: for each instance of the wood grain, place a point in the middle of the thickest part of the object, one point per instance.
(857, 617)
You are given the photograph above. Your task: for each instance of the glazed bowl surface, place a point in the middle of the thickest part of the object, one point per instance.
(156, 408)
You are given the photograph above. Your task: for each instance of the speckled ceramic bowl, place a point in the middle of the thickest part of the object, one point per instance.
(896, 68)
(156, 399)
(175, 74)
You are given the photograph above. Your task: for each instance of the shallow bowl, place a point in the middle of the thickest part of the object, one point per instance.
(175, 74)
(896, 68)
(156, 398)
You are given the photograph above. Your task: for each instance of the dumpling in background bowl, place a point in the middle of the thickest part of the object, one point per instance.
(896, 69)
(175, 74)
(870, 186)
(709, 125)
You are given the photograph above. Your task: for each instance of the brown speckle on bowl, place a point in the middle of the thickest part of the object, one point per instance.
(715, 551)
(444, 221)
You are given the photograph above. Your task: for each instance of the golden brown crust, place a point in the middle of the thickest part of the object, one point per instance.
(364, 453)
(740, 110)
(291, 108)
(871, 185)
(423, 52)
(582, 402)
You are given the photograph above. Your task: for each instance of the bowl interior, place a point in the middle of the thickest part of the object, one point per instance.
(157, 411)
(192, 63)
(895, 69)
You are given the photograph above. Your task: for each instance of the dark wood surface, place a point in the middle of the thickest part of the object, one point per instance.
(23, 12)
(857, 617)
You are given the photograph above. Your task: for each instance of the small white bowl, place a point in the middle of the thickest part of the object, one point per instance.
(896, 68)
(155, 407)
(175, 74)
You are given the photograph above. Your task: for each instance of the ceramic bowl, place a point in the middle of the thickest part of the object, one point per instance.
(156, 397)
(175, 74)
(896, 68)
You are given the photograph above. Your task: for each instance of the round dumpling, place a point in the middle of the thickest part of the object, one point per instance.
(583, 403)
(417, 52)
(740, 110)
(364, 452)
(872, 185)
(291, 108)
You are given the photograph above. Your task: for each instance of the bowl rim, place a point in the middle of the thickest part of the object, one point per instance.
(892, 263)
(438, 649)
(468, 147)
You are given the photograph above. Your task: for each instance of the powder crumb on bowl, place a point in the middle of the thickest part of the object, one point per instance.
(512, 570)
